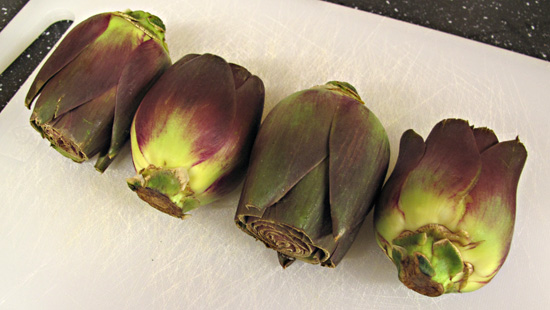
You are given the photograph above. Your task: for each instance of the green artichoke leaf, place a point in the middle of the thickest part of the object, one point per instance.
(318, 162)
(448, 260)
(358, 155)
(150, 24)
(305, 207)
(279, 162)
(425, 265)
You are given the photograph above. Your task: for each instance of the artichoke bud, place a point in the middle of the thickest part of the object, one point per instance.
(446, 215)
(318, 161)
(92, 84)
(192, 134)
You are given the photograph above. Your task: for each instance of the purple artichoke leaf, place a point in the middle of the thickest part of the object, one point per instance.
(502, 165)
(208, 112)
(490, 216)
(240, 75)
(69, 48)
(95, 71)
(448, 170)
(187, 58)
(359, 156)
(236, 152)
(144, 67)
(485, 138)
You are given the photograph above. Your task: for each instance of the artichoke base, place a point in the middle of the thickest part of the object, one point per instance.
(429, 260)
(166, 190)
(160, 202)
(412, 276)
(290, 243)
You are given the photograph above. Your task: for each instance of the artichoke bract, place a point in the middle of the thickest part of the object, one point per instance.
(316, 166)
(192, 134)
(92, 84)
(446, 215)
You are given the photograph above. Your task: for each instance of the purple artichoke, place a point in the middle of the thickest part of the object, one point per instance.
(446, 215)
(193, 132)
(92, 84)
(317, 164)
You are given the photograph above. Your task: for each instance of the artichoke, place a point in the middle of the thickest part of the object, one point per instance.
(192, 134)
(93, 82)
(317, 164)
(446, 215)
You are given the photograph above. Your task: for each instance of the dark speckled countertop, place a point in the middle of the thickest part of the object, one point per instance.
(522, 26)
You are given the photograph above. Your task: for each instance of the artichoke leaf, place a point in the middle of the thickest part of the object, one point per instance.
(69, 48)
(284, 162)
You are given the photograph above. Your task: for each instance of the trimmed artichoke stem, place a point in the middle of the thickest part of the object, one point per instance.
(166, 190)
(429, 260)
(62, 144)
(69, 148)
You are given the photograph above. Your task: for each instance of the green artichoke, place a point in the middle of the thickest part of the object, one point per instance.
(92, 84)
(193, 132)
(317, 164)
(446, 215)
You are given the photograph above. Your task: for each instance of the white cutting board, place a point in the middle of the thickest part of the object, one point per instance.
(71, 238)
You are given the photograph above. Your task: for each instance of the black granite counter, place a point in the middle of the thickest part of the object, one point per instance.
(522, 26)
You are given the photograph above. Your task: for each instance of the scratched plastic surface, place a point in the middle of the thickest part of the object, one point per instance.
(71, 238)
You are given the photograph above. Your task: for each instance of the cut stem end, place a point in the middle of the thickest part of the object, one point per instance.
(165, 189)
(160, 202)
(61, 143)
